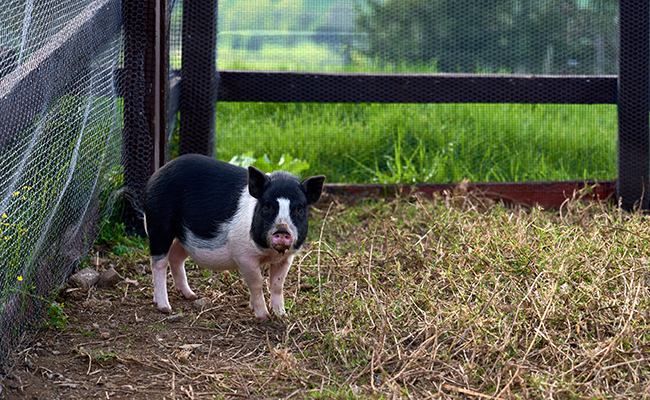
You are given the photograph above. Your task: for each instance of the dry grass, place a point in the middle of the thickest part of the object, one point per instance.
(455, 297)
(413, 298)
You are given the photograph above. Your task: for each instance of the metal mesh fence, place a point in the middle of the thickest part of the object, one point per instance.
(427, 142)
(63, 107)
(59, 147)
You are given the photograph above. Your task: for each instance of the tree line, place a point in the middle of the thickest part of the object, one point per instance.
(513, 36)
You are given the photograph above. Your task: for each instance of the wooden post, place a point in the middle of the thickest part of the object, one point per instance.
(199, 77)
(145, 89)
(633, 104)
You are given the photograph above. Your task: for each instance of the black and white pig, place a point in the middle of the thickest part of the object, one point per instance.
(226, 218)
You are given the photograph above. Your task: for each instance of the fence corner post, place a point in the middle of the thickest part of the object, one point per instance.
(632, 189)
(145, 89)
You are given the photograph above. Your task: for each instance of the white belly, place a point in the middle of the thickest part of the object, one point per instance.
(214, 259)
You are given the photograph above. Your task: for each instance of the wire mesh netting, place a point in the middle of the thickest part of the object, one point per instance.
(59, 147)
(62, 111)
(409, 143)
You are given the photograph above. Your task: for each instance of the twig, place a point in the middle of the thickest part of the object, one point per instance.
(90, 363)
(201, 313)
(470, 392)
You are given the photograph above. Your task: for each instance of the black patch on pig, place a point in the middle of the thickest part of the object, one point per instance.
(194, 191)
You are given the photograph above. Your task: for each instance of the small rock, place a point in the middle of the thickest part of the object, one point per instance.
(202, 303)
(109, 278)
(104, 335)
(85, 278)
(142, 269)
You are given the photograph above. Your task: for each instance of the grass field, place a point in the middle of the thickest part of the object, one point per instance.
(410, 143)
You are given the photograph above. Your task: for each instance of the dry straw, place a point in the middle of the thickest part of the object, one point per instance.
(465, 297)
(411, 297)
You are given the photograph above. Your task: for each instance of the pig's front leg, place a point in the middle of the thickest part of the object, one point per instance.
(278, 274)
(250, 270)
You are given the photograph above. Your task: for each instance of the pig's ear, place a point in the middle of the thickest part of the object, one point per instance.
(313, 188)
(256, 181)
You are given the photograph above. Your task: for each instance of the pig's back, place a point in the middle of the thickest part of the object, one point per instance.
(194, 192)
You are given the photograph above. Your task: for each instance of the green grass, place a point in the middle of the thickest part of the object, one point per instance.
(412, 143)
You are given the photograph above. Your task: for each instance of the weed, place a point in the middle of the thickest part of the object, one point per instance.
(58, 317)
(103, 355)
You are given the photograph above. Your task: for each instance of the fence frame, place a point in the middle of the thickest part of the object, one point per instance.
(630, 94)
(26, 91)
(145, 90)
(633, 104)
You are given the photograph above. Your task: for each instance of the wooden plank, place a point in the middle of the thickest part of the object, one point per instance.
(283, 86)
(544, 194)
(27, 91)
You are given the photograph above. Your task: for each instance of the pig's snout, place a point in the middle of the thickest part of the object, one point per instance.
(281, 240)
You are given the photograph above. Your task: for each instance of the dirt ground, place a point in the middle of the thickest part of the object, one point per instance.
(117, 345)
(453, 297)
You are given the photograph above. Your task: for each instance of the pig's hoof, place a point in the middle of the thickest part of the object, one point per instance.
(167, 309)
(265, 316)
(190, 296)
(279, 311)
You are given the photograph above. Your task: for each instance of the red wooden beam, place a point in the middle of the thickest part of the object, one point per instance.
(545, 194)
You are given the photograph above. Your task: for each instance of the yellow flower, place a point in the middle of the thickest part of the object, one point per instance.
(20, 278)
(16, 193)
(4, 215)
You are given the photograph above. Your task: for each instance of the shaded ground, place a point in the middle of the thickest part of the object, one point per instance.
(118, 345)
(454, 297)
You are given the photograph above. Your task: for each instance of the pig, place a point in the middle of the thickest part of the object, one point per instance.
(226, 218)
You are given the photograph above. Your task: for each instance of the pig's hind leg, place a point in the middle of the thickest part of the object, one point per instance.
(177, 256)
(159, 270)
(160, 243)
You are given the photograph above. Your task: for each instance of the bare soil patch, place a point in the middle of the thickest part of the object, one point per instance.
(118, 345)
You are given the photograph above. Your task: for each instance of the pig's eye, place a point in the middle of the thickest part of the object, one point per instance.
(299, 210)
(267, 208)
